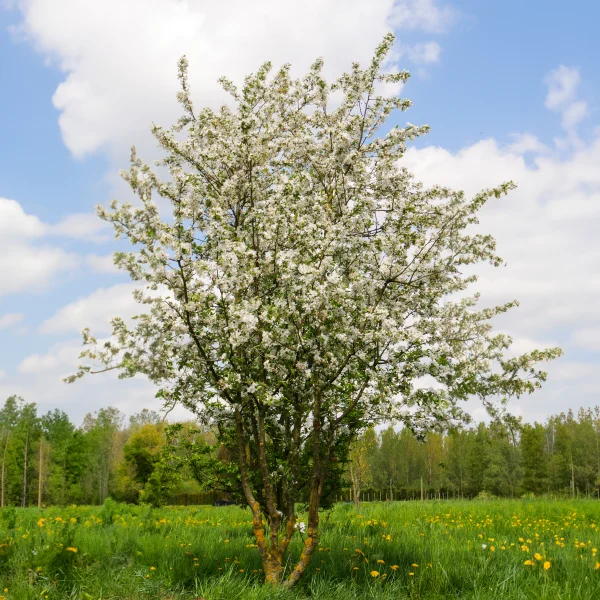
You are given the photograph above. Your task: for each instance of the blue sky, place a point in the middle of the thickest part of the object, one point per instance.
(510, 89)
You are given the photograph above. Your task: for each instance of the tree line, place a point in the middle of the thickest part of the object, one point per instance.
(47, 460)
(504, 458)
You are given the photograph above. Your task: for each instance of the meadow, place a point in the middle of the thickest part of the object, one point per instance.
(476, 550)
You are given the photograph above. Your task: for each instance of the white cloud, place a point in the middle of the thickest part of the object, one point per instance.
(562, 84)
(562, 88)
(546, 229)
(39, 377)
(25, 264)
(16, 224)
(588, 338)
(428, 15)
(102, 264)
(10, 320)
(429, 52)
(94, 311)
(526, 142)
(573, 114)
(83, 226)
(119, 58)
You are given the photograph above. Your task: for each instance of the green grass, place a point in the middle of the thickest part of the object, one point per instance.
(206, 552)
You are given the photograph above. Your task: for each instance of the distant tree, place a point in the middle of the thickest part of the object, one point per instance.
(304, 286)
(142, 451)
(58, 431)
(534, 458)
(102, 435)
(358, 464)
(9, 417)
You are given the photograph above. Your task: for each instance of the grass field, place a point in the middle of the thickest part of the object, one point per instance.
(497, 549)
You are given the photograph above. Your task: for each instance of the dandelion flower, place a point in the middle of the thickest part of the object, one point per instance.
(411, 574)
(528, 563)
(374, 573)
(153, 568)
(546, 565)
(537, 556)
(71, 549)
(394, 567)
(381, 562)
(414, 565)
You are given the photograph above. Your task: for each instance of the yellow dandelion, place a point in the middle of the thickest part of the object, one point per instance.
(529, 563)
(374, 573)
(411, 574)
(153, 568)
(71, 549)
(394, 567)
(226, 541)
(415, 565)
(537, 556)
(381, 562)
(546, 565)
(597, 566)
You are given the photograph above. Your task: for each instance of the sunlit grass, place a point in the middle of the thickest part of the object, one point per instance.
(500, 549)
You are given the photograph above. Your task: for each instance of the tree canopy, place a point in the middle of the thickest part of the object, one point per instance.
(301, 288)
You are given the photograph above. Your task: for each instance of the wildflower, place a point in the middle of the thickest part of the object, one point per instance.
(528, 563)
(394, 567)
(414, 565)
(71, 549)
(484, 546)
(411, 574)
(546, 565)
(153, 568)
(597, 566)
(374, 573)
(381, 562)
(537, 556)
(226, 541)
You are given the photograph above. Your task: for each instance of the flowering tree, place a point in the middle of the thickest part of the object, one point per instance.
(302, 286)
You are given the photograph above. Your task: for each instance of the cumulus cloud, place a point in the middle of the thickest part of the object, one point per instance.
(119, 58)
(587, 338)
(86, 227)
(562, 85)
(102, 264)
(422, 14)
(429, 52)
(94, 311)
(10, 320)
(40, 377)
(28, 261)
(25, 264)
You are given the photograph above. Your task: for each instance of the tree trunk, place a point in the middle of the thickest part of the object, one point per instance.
(4, 468)
(24, 497)
(41, 472)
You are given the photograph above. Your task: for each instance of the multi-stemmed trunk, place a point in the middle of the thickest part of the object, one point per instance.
(272, 529)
